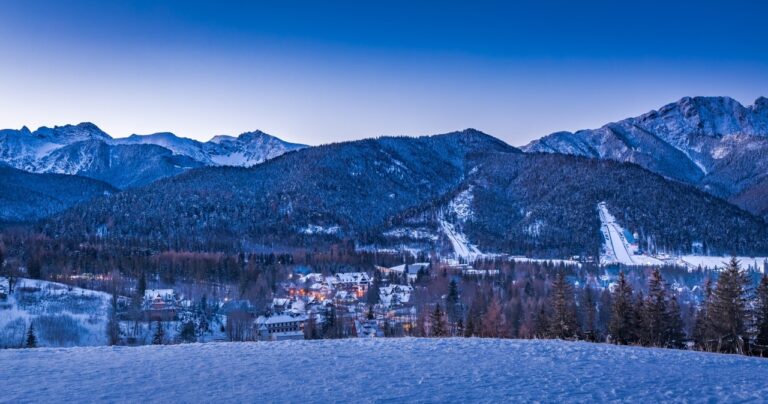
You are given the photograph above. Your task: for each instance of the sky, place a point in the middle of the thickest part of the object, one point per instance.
(316, 72)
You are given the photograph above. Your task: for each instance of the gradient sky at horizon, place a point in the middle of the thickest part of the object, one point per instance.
(316, 72)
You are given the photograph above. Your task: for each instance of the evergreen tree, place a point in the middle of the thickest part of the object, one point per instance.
(655, 323)
(421, 275)
(469, 331)
(589, 315)
(159, 337)
(703, 332)
(453, 308)
(528, 287)
(31, 337)
(202, 327)
(439, 328)
(329, 325)
(622, 321)
(142, 285)
(113, 323)
(562, 320)
(373, 295)
(640, 335)
(729, 313)
(204, 305)
(604, 311)
(674, 333)
(187, 332)
(138, 298)
(761, 317)
(541, 323)
(34, 268)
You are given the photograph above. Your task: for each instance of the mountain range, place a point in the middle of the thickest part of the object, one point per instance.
(714, 143)
(695, 172)
(137, 160)
(392, 192)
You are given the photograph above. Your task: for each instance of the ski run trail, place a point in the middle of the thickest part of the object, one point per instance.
(616, 246)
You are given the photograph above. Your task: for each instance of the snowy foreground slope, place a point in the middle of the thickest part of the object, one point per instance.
(63, 315)
(392, 370)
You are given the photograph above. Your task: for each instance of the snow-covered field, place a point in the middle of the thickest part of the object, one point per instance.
(545, 260)
(696, 261)
(384, 370)
(63, 315)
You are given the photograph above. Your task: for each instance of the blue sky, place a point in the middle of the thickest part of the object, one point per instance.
(317, 72)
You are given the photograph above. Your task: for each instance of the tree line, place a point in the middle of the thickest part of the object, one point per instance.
(728, 316)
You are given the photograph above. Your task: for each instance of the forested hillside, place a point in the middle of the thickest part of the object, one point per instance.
(547, 204)
(26, 196)
(301, 198)
(366, 191)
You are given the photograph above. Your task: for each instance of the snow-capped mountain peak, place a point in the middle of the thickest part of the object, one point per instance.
(221, 138)
(69, 134)
(247, 149)
(25, 150)
(715, 143)
(177, 145)
(84, 149)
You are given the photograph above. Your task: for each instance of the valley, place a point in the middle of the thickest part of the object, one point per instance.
(455, 234)
(383, 202)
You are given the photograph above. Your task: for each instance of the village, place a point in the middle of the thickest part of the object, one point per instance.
(307, 305)
(276, 300)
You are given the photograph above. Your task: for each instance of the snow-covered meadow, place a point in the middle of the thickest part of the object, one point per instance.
(63, 315)
(390, 370)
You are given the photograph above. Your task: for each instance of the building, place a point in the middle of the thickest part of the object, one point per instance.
(469, 270)
(411, 269)
(368, 329)
(289, 305)
(160, 305)
(343, 297)
(352, 282)
(394, 295)
(280, 327)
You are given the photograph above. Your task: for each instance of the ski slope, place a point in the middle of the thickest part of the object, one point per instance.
(461, 246)
(383, 370)
(616, 246)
